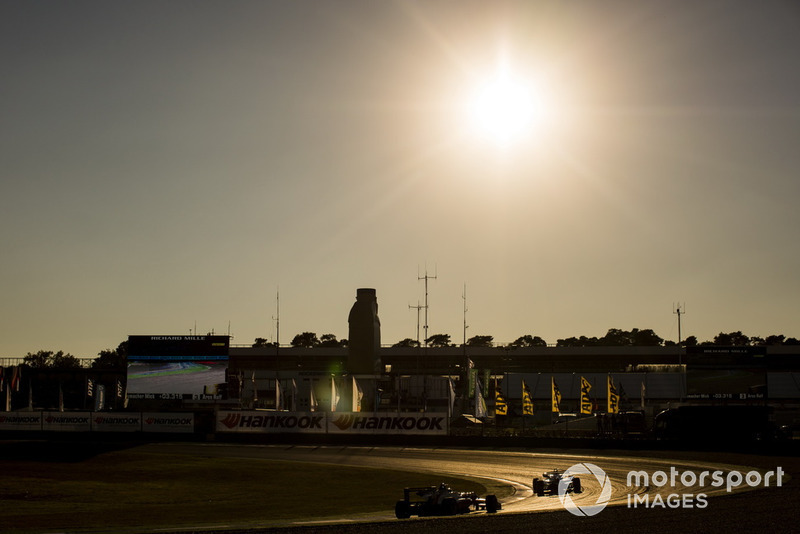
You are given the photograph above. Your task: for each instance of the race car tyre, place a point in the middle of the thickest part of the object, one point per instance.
(576, 485)
(492, 504)
(449, 507)
(402, 510)
(538, 487)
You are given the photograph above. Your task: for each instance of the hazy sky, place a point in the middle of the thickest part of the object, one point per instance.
(166, 164)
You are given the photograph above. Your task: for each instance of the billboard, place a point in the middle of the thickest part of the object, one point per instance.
(67, 422)
(176, 367)
(168, 422)
(270, 422)
(20, 420)
(420, 424)
(116, 422)
(279, 422)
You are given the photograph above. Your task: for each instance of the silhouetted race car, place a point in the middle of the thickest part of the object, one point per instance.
(550, 481)
(442, 500)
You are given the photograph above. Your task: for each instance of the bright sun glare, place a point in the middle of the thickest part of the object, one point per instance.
(505, 109)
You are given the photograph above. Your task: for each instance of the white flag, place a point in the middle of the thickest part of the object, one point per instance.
(334, 395)
(278, 395)
(293, 405)
(643, 394)
(358, 394)
(451, 392)
(480, 403)
(313, 405)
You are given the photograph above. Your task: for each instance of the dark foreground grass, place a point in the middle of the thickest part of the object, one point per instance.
(135, 490)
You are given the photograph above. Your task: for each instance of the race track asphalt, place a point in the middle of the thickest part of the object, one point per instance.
(773, 509)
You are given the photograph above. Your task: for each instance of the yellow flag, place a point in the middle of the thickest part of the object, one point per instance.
(613, 397)
(556, 397)
(527, 400)
(586, 402)
(500, 405)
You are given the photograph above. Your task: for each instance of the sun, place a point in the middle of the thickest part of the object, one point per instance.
(505, 109)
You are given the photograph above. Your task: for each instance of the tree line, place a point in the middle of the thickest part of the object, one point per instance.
(615, 337)
(109, 359)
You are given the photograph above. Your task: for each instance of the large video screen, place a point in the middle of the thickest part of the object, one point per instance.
(176, 367)
(726, 373)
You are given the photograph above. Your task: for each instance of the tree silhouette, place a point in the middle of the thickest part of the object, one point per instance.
(112, 359)
(736, 339)
(306, 340)
(47, 359)
(329, 340)
(407, 342)
(438, 340)
(480, 341)
(262, 342)
(528, 341)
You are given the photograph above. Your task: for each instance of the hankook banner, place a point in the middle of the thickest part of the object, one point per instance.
(271, 422)
(67, 421)
(428, 424)
(116, 422)
(178, 422)
(20, 420)
(275, 422)
(181, 422)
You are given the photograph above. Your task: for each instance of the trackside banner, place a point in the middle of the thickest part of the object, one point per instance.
(274, 422)
(67, 421)
(116, 422)
(180, 422)
(168, 422)
(20, 420)
(427, 424)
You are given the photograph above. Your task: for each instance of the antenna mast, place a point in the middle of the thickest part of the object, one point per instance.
(464, 296)
(418, 308)
(679, 309)
(426, 278)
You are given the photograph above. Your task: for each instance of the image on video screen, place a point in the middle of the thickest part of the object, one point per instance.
(174, 377)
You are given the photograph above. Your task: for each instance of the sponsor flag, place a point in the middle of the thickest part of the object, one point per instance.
(480, 403)
(8, 399)
(293, 405)
(60, 398)
(278, 395)
(471, 379)
(451, 393)
(30, 395)
(334, 395)
(556, 396)
(100, 398)
(255, 388)
(527, 400)
(2, 379)
(586, 402)
(90, 387)
(643, 394)
(500, 404)
(358, 394)
(15, 378)
(623, 397)
(613, 397)
(120, 391)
